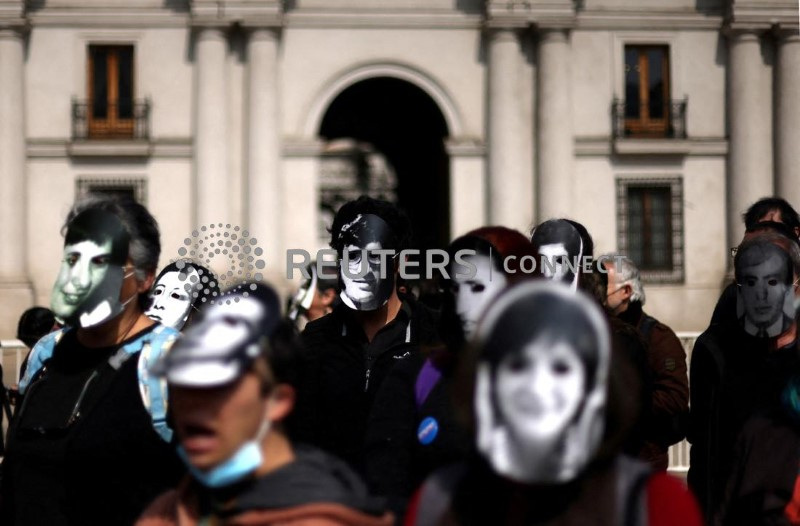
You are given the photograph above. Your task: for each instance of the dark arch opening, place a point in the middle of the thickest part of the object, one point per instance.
(403, 123)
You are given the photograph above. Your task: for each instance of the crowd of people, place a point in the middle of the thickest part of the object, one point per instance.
(506, 394)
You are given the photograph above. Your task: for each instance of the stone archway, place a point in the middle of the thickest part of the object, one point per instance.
(382, 132)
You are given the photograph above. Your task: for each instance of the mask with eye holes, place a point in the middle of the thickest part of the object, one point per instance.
(181, 288)
(541, 382)
(367, 278)
(86, 291)
(473, 293)
(560, 249)
(765, 295)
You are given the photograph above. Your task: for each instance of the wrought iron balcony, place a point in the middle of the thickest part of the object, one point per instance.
(649, 121)
(110, 120)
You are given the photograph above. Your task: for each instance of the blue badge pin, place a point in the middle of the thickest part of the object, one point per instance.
(427, 430)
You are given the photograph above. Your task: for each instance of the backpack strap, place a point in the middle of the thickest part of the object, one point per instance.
(41, 352)
(153, 345)
(436, 494)
(427, 378)
(153, 389)
(631, 497)
(646, 327)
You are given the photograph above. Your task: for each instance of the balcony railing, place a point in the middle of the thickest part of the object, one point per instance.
(101, 120)
(664, 121)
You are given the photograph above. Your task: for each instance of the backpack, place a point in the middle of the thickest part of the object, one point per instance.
(153, 345)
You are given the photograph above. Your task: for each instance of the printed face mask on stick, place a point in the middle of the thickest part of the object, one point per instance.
(540, 392)
(367, 277)
(560, 249)
(86, 291)
(765, 297)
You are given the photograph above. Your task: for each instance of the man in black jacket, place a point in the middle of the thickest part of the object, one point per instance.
(351, 350)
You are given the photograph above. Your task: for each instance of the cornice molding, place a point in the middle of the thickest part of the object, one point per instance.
(650, 19)
(248, 13)
(163, 148)
(762, 15)
(555, 14)
(419, 19)
(604, 147)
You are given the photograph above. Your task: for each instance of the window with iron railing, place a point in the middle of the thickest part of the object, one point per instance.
(110, 111)
(650, 226)
(647, 110)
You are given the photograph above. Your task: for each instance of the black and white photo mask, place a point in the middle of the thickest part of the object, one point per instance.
(366, 283)
(560, 249)
(181, 287)
(473, 293)
(86, 291)
(765, 295)
(541, 383)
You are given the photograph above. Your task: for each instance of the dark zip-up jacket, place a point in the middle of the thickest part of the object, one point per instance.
(344, 371)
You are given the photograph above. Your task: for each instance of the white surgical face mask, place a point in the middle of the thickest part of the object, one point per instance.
(473, 295)
(172, 298)
(236, 468)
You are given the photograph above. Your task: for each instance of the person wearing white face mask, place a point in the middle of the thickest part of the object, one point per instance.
(232, 385)
(89, 443)
(412, 429)
(546, 393)
(180, 290)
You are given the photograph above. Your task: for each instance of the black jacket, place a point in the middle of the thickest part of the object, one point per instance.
(733, 377)
(400, 454)
(764, 473)
(343, 373)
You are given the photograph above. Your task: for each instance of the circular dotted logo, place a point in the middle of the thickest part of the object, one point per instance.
(243, 262)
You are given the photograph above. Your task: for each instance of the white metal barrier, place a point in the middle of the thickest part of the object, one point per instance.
(679, 453)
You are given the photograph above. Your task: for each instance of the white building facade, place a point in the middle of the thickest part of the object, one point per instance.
(656, 127)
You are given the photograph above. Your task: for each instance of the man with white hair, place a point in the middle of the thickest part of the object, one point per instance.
(665, 423)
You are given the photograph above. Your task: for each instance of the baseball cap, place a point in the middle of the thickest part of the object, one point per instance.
(222, 344)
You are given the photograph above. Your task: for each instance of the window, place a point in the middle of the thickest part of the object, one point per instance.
(135, 187)
(647, 91)
(110, 105)
(650, 226)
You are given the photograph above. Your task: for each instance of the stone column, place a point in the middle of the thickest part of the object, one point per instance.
(750, 129)
(211, 138)
(509, 137)
(787, 117)
(12, 156)
(264, 188)
(467, 185)
(16, 293)
(554, 109)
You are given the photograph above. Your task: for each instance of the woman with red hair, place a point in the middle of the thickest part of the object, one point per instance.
(412, 428)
